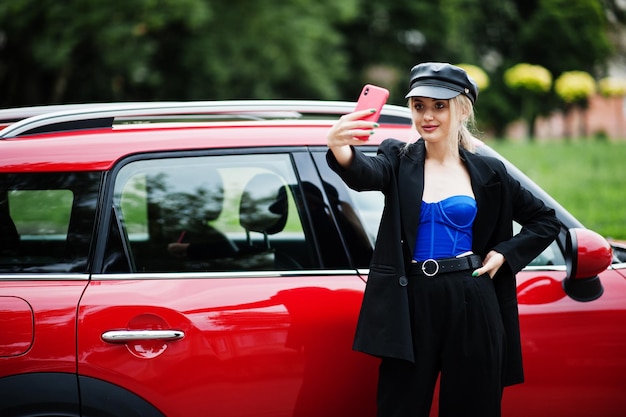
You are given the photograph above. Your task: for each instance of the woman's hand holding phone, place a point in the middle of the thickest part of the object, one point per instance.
(347, 131)
(356, 127)
(360, 124)
(351, 126)
(371, 97)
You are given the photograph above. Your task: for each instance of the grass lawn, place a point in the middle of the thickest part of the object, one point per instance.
(587, 177)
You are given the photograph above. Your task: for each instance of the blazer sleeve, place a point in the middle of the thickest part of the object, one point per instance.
(540, 226)
(367, 173)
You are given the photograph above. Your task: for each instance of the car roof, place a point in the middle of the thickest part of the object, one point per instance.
(93, 137)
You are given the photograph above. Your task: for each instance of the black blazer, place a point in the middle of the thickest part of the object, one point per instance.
(383, 327)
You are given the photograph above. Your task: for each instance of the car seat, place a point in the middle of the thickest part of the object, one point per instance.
(264, 209)
(182, 200)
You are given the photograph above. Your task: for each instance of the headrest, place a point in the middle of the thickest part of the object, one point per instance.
(264, 205)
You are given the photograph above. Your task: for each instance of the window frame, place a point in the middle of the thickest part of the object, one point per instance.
(301, 164)
(82, 223)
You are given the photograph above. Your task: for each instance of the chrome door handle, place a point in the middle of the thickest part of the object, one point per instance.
(126, 336)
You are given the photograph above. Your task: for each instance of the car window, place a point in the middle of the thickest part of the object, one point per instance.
(356, 214)
(551, 256)
(47, 221)
(211, 213)
(369, 205)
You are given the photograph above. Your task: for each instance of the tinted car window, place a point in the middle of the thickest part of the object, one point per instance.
(212, 213)
(47, 221)
(357, 214)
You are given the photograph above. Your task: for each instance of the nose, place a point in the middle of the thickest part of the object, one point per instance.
(428, 114)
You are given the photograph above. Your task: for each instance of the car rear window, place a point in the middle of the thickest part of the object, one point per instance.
(47, 221)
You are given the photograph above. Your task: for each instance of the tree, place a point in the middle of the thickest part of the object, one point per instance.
(565, 35)
(87, 50)
(97, 50)
(575, 88)
(268, 49)
(397, 34)
(531, 83)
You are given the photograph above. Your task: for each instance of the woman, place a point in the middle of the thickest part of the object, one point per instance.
(441, 297)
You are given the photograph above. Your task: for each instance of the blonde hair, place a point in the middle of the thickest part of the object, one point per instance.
(462, 113)
(462, 135)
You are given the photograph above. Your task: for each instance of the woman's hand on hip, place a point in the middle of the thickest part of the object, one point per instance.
(491, 264)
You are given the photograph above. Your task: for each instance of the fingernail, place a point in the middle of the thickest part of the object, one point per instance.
(371, 132)
(376, 125)
(475, 273)
(372, 110)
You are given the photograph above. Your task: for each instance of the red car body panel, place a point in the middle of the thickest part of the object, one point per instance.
(99, 150)
(41, 334)
(573, 351)
(252, 346)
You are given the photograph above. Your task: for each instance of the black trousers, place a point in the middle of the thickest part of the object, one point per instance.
(458, 336)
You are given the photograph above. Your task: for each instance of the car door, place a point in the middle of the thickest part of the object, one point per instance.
(46, 226)
(573, 347)
(223, 289)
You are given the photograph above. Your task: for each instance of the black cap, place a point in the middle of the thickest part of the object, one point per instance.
(442, 81)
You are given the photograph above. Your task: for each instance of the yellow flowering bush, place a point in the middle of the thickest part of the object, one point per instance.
(477, 73)
(573, 86)
(612, 87)
(529, 77)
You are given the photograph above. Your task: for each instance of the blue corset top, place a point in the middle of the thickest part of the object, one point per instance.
(445, 228)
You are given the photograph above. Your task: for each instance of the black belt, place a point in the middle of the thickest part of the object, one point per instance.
(433, 267)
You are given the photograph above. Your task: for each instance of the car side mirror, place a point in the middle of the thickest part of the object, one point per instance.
(586, 255)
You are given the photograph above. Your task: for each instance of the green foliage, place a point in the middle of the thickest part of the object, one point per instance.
(96, 50)
(588, 178)
(565, 35)
(273, 48)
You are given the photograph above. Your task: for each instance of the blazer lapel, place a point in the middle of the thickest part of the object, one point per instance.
(411, 189)
(487, 188)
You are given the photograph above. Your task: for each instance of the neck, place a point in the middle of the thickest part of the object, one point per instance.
(442, 152)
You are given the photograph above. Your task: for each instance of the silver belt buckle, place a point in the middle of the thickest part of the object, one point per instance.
(424, 267)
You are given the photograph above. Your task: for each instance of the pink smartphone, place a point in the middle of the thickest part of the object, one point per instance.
(372, 97)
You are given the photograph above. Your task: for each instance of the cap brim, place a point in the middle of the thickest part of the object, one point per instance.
(432, 92)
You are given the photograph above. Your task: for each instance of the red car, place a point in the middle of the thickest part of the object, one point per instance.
(201, 259)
